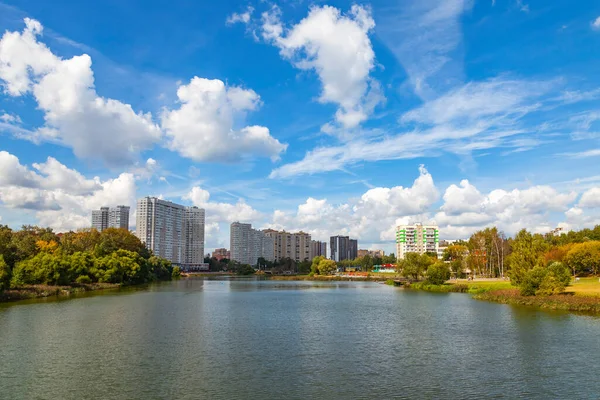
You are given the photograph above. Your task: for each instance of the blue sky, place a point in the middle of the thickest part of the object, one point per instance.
(331, 117)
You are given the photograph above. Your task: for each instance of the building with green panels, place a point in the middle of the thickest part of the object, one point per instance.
(417, 238)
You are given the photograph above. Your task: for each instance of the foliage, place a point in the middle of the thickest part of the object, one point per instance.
(5, 274)
(326, 267)
(304, 267)
(176, 272)
(584, 257)
(314, 267)
(545, 281)
(245, 269)
(528, 251)
(438, 273)
(414, 265)
(40, 257)
(456, 255)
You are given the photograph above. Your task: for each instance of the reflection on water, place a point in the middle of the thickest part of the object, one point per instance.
(248, 338)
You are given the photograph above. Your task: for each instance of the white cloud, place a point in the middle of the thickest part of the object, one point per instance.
(202, 128)
(590, 199)
(337, 47)
(217, 212)
(61, 198)
(95, 127)
(242, 17)
(596, 24)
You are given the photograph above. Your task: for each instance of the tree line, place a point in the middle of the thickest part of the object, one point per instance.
(536, 263)
(35, 255)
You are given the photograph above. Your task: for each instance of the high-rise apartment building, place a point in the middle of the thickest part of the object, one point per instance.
(416, 238)
(248, 245)
(114, 217)
(171, 231)
(290, 245)
(317, 249)
(343, 248)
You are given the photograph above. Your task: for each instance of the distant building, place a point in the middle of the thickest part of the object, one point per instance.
(372, 253)
(343, 248)
(317, 249)
(416, 238)
(220, 254)
(296, 246)
(443, 245)
(248, 245)
(115, 217)
(172, 231)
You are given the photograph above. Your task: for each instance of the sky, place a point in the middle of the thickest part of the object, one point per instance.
(331, 117)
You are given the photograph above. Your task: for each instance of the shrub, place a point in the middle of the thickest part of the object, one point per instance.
(5, 274)
(438, 273)
(83, 279)
(176, 272)
(545, 281)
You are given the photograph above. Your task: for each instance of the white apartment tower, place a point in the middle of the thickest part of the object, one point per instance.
(171, 231)
(416, 238)
(114, 217)
(248, 245)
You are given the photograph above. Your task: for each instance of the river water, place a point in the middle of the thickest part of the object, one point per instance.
(255, 339)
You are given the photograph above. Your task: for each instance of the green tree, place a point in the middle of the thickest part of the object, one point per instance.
(366, 263)
(389, 259)
(438, 273)
(327, 267)
(584, 258)
(527, 253)
(176, 272)
(304, 267)
(414, 265)
(456, 254)
(545, 281)
(5, 274)
(7, 250)
(114, 239)
(314, 267)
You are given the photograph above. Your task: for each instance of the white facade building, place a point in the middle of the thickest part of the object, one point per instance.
(114, 217)
(248, 245)
(416, 238)
(171, 231)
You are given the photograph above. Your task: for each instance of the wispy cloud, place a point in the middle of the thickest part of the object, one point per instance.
(596, 24)
(426, 38)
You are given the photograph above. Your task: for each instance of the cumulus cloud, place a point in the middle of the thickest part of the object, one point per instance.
(203, 127)
(590, 199)
(75, 115)
(62, 198)
(596, 24)
(337, 47)
(217, 212)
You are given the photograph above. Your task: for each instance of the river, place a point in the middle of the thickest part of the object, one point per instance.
(257, 339)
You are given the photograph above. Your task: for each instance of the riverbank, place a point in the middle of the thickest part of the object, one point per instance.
(41, 291)
(581, 296)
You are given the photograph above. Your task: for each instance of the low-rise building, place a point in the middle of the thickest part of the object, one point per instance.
(221, 254)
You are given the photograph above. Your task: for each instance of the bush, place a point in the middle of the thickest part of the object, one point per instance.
(545, 281)
(176, 272)
(83, 279)
(438, 273)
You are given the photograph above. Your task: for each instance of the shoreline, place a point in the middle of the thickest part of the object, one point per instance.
(502, 292)
(31, 292)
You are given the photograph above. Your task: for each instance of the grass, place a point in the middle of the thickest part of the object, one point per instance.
(581, 296)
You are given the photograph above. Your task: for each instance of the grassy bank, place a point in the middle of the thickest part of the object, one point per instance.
(566, 301)
(581, 296)
(40, 291)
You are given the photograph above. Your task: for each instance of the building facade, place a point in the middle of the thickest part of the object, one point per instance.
(248, 245)
(172, 231)
(220, 254)
(372, 253)
(113, 217)
(296, 246)
(416, 238)
(317, 249)
(343, 248)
